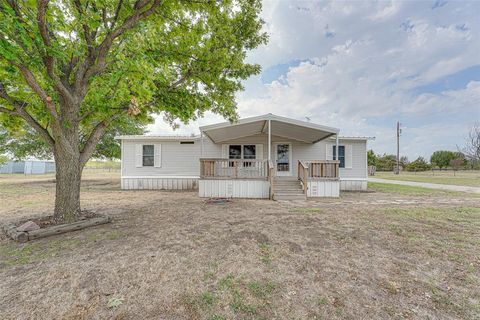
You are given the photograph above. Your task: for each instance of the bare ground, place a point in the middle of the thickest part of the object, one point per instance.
(170, 255)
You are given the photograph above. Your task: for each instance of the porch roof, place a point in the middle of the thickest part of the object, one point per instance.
(280, 126)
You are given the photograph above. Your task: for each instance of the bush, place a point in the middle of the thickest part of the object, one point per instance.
(420, 164)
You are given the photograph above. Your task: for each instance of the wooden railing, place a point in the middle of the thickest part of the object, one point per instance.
(271, 176)
(303, 175)
(317, 170)
(234, 169)
(323, 169)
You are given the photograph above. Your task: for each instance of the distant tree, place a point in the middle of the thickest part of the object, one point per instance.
(442, 158)
(3, 159)
(420, 164)
(471, 150)
(404, 161)
(456, 164)
(371, 158)
(386, 162)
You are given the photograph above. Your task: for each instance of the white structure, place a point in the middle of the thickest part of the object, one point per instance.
(28, 167)
(260, 157)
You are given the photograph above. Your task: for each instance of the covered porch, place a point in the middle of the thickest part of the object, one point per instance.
(284, 164)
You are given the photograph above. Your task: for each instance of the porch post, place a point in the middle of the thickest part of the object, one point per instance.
(269, 141)
(201, 146)
(336, 146)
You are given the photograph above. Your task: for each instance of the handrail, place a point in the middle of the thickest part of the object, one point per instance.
(271, 179)
(219, 168)
(303, 175)
(322, 169)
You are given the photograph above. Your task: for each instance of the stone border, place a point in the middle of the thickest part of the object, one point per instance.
(19, 236)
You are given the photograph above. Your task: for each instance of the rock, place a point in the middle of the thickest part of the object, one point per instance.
(28, 226)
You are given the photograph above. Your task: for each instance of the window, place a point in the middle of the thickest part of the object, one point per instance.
(341, 155)
(246, 152)
(148, 155)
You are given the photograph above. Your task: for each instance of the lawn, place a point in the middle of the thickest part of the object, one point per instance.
(461, 178)
(170, 255)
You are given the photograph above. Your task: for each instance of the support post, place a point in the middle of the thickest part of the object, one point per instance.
(336, 146)
(201, 144)
(269, 140)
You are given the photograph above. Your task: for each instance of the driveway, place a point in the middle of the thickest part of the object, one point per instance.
(428, 185)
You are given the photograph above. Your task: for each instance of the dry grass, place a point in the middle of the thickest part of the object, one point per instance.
(460, 178)
(169, 255)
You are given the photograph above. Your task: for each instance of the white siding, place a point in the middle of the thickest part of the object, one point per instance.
(255, 189)
(183, 159)
(161, 183)
(323, 188)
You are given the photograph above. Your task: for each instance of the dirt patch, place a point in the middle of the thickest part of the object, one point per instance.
(169, 255)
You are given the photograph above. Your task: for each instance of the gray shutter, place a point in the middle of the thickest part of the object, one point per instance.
(225, 155)
(348, 156)
(157, 159)
(259, 151)
(329, 151)
(138, 155)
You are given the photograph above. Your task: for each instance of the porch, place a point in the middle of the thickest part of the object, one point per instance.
(245, 170)
(239, 178)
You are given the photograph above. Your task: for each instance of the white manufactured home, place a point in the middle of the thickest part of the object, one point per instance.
(260, 157)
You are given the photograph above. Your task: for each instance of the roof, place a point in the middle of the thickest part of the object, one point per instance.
(280, 126)
(157, 137)
(356, 138)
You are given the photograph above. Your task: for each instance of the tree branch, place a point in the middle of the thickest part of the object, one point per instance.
(19, 110)
(92, 141)
(48, 60)
(89, 69)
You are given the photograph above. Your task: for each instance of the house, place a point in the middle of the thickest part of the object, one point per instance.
(259, 157)
(29, 167)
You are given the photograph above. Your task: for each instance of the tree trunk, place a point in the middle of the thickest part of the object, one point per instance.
(68, 177)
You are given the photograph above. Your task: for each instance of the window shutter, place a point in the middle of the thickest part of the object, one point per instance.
(157, 161)
(259, 151)
(138, 155)
(225, 155)
(348, 156)
(224, 151)
(329, 151)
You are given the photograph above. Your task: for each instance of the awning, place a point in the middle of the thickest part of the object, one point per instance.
(280, 126)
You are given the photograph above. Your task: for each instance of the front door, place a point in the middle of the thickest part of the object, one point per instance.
(283, 153)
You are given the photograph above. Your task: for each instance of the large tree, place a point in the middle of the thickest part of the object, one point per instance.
(442, 158)
(72, 69)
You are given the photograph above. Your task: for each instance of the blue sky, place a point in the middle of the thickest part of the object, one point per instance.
(361, 66)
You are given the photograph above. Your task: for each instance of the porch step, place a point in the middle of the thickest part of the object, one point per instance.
(289, 196)
(288, 189)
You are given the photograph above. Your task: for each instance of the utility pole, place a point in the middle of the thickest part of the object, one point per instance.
(399, 132)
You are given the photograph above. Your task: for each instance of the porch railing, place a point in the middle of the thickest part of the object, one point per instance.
(271, 176)
(317, 170)
(234, 169)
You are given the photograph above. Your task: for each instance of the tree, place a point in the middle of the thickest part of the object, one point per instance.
(26, 142)
(471, 150)
(420, 164)
(442, 158)
(371, 158)
(386, 162)
(456, 163)
(3, 159)
(73, 69)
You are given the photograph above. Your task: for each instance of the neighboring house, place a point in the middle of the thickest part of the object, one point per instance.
(28, 167)
(260, 157)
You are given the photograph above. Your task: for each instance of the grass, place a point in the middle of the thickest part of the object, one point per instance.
(169, 255)
(233, 295)
(461, 178)
(413, 190)
(12, 253)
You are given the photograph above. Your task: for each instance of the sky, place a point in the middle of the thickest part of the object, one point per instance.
(363, 66)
